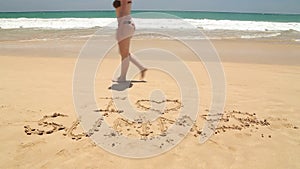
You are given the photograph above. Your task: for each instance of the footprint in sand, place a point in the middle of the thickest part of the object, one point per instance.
(3, 106)
(31, 144)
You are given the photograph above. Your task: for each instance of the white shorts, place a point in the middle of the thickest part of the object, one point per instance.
(126, 28)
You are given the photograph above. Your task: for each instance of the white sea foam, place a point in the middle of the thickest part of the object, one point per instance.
(38, 40)
(205, 24)
(255, 36)
(244, 25)
(181, 28)
(61, 23)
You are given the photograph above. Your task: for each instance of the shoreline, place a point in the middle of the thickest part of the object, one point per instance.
(237, 51)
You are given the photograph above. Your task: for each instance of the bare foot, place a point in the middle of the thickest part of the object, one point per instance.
(143, 73)
(119, 80)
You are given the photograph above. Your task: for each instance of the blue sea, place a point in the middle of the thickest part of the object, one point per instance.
(215, 25)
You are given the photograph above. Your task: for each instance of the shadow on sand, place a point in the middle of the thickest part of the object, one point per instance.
(121, 86)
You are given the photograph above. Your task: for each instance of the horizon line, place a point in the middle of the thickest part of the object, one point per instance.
(153, 10)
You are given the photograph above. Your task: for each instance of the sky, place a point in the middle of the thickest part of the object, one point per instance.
(255, 6)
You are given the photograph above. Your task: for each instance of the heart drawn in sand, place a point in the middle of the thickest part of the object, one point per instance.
(152, 105)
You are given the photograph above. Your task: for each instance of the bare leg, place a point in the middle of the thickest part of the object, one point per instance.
(138, 65)
(124, 69)
(124, 52)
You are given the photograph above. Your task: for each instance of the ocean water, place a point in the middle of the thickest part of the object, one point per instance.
(214, 25)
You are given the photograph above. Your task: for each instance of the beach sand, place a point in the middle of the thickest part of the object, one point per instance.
(262, 89)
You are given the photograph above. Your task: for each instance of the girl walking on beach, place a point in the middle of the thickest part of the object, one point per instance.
(124, 34)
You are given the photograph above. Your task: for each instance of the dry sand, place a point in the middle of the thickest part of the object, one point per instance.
(263, 79)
